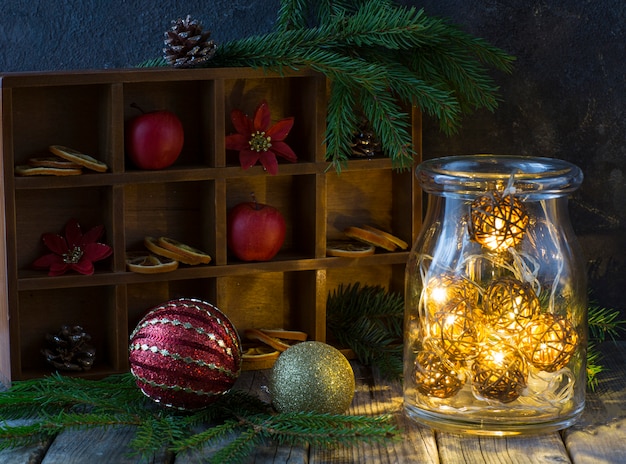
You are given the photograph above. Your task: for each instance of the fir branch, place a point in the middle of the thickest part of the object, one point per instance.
(292, 14)
(63, 403)
(377, 51)
(213, 434)
(370, 47)
(301, 428)
(391, 125)
(239, 449)
(153, 63)
(594, 367)
(341, 123)
(604, 322)
(369, 320)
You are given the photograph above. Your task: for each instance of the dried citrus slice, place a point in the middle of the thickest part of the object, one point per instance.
(397, 240)
(276, 343)
(152, 245)
(283, 334)
(370, 237)
(147, 263)
(189, 252)
(349, 249)
(77, 157)
(258, 357)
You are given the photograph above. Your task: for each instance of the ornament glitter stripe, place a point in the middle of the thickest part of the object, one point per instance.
(186, 359)
(178, 388)
(186, 325)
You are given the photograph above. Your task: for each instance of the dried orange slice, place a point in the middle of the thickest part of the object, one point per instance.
(397, 240)
(276, 343)
(147, 263)
(151, 244)
(283, 334)
(370, 237)
(77, 157)
(349, 249)
(189, 252)
(258, 357)
(155, 245)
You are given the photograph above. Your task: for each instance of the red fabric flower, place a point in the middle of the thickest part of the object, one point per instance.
(74, 251)
(256, 141)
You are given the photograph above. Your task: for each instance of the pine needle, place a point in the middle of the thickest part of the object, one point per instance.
(603, 323)
(369, 320)
(234, 425)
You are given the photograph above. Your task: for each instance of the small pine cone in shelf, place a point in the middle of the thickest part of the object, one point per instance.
(70, 349)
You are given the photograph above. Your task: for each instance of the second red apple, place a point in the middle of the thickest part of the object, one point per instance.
(256, 232)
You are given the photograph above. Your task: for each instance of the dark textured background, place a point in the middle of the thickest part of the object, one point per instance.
(565, 98)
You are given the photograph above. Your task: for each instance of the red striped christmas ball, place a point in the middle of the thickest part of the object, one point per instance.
(185, 353)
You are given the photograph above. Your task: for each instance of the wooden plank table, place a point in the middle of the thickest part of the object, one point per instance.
(598, 438)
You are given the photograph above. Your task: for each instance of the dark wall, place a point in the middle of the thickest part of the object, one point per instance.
(565, 99)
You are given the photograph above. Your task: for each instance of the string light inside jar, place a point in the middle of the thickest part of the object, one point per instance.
(436, 377)
(548, 342)
(499, 373)
(510, 305)
(498, 221)
(447, 287)
(454, 331)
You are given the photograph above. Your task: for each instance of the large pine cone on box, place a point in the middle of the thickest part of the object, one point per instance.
(186, 45)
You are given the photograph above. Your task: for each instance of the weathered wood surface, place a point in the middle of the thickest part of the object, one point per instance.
(598, 438)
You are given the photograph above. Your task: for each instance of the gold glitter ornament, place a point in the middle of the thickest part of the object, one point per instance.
(312, 377)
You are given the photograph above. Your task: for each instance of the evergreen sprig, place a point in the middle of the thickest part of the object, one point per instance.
(369, 320)
(39, 409)
(380, 59)
(604, 323)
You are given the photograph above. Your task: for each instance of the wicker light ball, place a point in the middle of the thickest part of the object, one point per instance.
(442, 289)
(498, 221)
(549, 342)
(454, 333)
(185, 354)
(499, 373)
(435, 377)
(510, 305)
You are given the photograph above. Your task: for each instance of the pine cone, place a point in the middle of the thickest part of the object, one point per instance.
(365, 144)
(69, 349)
(186, 45)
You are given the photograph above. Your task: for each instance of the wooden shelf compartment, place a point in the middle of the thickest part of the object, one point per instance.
(188, 201)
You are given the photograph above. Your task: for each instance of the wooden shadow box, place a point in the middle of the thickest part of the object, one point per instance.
(188, 201)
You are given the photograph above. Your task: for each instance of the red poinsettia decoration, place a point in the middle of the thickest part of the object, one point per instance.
(75, 251)
(256, 141)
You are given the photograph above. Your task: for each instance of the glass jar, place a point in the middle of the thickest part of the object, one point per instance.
(496, 298)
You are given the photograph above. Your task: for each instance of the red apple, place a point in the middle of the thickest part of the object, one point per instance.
(155, 139)
(256, 232)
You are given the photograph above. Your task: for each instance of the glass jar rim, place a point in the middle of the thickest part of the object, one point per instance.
(475, 174)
